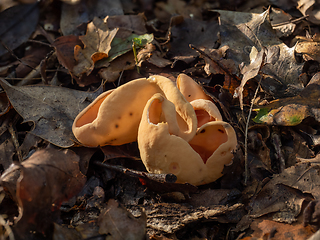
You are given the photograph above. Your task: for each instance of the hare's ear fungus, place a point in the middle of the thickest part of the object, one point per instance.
(206, 111)
(114, 117)
(190, 89)
(185, 114)
(215, 142)
(164, 152)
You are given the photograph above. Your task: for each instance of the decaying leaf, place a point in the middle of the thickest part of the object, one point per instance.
(280, 231)
(254, 30)
(120, 46)
(309, 48)
(199, 33)
(293, 110)
(97, 44)
(284, 194)
(42, 183)
(77, 13)
(282, 202)
(250, 71)
(278, 17)
(65, 50)
(181, 215)
(116, 221)
(51, 109)
(309, 8)
(17, 24)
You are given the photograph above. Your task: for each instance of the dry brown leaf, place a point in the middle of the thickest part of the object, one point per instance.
(266, 229)
(282, 202)
(250, 71)
(42, 183)
(201, 34)
(116, 221)
(97, 44)
(16, 30)
(309, 8)
(74, 16)
(65, 50)
(181, 215)
(51, 109)
(292, 111)
(248, 30)
(278, 18)
(117, 66)
(309, 48)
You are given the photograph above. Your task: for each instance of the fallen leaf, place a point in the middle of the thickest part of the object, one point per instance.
(181, 215)
(292, 111)
(75, 15)
(309, 48)
(309, 8)
(250, 71)
(281, 202)
(201, 34)
(128, 24)
(97, 44)
(278, 17)
(266, 229)
(51, 109)
(117, 66)
(248, 30)
(17, 24)
(120, 46)
(303, 176)
(33, 57)
(284, 195)
(42, 183)
(65, 50)
(116, 221)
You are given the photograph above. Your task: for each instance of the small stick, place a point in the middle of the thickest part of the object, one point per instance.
(14, 137)
(167, 178)
(246, 167)
(290, 21)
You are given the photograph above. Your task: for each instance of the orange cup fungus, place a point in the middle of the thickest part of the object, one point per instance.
(178, 128)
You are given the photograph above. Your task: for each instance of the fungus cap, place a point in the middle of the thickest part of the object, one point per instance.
(162, 152)
(190, 89)
(113, 118)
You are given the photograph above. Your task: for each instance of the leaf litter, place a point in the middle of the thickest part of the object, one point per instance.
(244, 54)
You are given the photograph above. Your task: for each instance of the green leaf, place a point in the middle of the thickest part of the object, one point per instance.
(262, 112)
(121, 46)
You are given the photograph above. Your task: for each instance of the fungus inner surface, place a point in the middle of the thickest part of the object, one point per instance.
(91, 114)
(155, 112)
(207, 140)
(203, 117)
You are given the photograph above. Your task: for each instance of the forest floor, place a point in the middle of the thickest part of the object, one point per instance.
(257, 61)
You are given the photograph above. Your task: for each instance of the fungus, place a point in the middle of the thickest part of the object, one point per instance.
(198, 162)
(113, 118)
(206, 111)
(190, 89)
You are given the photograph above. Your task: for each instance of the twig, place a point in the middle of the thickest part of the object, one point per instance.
(134, 48)
(224, 70)
(290, 21)
(276, 141)
(15, 56)
(246, 136)
(14, 136)
(167, 178)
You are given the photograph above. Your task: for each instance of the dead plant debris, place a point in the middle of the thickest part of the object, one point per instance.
(257, 61)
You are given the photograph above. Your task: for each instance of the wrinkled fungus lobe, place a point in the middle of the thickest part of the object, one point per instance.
(113, 118)
(178, 128)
